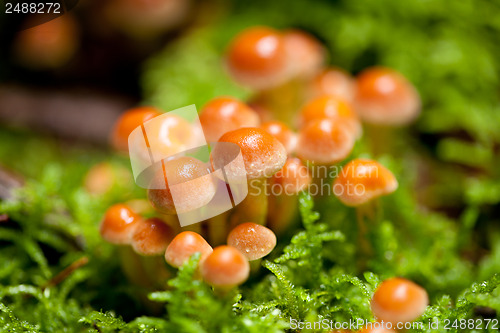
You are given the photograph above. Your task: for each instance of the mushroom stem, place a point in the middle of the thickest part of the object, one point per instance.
(283, 212)
(132, 267)
(382, 139)
(254, 206)
(218, 229)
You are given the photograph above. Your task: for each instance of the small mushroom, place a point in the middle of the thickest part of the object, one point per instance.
(263, 155)
(118, 224)
(305, 53)
(151, 237)
(184, 245)
(253, 240)
(194, 187)
(362, 180)
(385, 97)
(225, 267)
(399, 300)
(335, 82)
(257, 58)
(325, 141)
(224, 114)
(129, 121)
(330, 107)
(281, 132)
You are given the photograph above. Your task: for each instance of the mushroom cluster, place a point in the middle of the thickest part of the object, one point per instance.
(302, 116)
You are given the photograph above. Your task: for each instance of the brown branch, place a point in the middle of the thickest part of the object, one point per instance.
(66, 272)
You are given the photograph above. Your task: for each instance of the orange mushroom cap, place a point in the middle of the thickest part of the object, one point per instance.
(48, 45)
(335, 82)
(257, 58)
(118, 224)
(399, 300)
(293, 177)
(305, 53)
(385, 97)
(194, 187)
(331, 107)
(151, 237)
(127, 122)
(224, 114)
(281, 132)
(362, 180)
(184, 245)
(263, 154)
(225, 267)
(325, 141)
(253, 240)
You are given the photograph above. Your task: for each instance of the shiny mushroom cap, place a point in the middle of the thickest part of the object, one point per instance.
(292, 178)
(151, 237)
(224, 114)
(253, 240)
(325, 141)
(330, 107)
(305, 53)
(118, 224)
(182, 185)
(184, 245)
(257, 58)
(399, 300)
(263, 154)
(281, 132)
(362, 180)
(225, 267)
(385, 97)
(129, 121)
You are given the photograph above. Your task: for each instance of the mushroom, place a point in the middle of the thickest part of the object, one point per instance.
(224, 114)
(129, 121)
(330, 107)
(151, 237)
(284, 188)
(363, 180)
(358, 184)
(325, 141)
(184, 245)
(385, 97)
(281, 132)
(191, 181)
(225, 268)
(305, 53)
(103, 177)
(49, 45)
(399, 300)
(257, 58)
(253, 240)
(118, 224)
(335, 82)
(263, 156)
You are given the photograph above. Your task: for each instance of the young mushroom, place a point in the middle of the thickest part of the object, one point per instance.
(225, 268)
(334, 82)
(191, 180)
(129, 121)
(184, 245)
(281, 132)
(330, 107)
(118, 224)
(151, 237)
(263, 155)
(385, 97)
(363, 180)
(224, 114)
(325, 141)
(399, 300)
(253, 240)
(306, 55)
(285, 187)
(257, 58)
